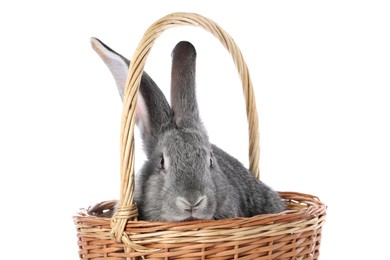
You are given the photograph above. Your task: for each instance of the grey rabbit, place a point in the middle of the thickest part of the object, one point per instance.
(185, 177)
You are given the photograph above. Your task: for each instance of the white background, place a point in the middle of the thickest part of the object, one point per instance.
(321, 77)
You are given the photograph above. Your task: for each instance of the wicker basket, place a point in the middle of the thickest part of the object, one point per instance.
(292, 234)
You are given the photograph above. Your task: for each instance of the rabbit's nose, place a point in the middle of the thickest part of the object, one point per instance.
(190, 205)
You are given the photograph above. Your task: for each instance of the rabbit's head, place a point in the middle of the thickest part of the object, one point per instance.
(177, 180)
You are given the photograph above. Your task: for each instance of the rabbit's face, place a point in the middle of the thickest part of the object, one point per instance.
(185, 167)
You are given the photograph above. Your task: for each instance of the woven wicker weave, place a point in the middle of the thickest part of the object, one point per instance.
(292, 234)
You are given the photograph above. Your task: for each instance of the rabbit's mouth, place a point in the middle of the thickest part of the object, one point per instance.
(190, 219)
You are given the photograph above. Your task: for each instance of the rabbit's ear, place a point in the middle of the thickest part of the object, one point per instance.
(153, 110)
(118, 65)
(153, 113)
(183, 96)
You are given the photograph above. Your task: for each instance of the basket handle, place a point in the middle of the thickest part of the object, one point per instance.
(127, 209)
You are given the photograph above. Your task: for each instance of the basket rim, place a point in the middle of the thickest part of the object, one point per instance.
(314, 206)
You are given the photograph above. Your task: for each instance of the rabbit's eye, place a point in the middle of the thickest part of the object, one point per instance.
(162, 163)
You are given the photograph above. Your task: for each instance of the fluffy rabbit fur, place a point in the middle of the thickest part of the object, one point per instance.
(185, 177)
